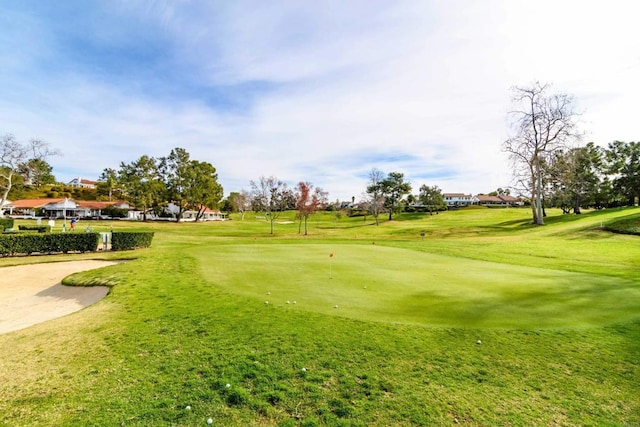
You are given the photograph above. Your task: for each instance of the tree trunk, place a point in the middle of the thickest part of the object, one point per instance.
(533, 210)
(5, 193)
(539, 215)
(576, 206)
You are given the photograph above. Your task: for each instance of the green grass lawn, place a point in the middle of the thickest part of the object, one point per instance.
(390, 284)
(556, 310)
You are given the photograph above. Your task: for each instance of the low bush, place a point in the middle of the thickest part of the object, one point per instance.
(38, 228)
(6, 223)
(113, 212)
(625, 226)
(124, 240)
(50, 243)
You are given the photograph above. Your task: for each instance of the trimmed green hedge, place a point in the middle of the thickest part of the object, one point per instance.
(124, 240)
(38, 228)
(15, 244)
(5, 223)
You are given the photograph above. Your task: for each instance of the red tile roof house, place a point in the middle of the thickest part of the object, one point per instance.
(513, 201)
(59, 208)
(84, 183)
(498, 201)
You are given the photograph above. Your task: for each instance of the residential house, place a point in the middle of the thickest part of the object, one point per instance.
(207, 215)
(95, 208)
(459, 199)
(190, 215)
(60, 208)
(501, 200)
(82, 183)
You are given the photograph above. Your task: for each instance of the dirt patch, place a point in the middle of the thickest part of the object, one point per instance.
(31, 294)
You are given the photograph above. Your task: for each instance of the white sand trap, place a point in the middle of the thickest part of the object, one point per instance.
(31, 294)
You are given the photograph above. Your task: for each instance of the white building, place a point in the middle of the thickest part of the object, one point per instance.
(82, 183)
(459, 199)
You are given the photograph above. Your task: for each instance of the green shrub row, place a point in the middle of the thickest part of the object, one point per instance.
(124, 240)
(625, 226)
(38, 228)
(15, 244)
(5, 223)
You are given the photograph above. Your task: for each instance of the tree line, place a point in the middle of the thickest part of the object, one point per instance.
(149, 183)
(271, 197)
(550, 169)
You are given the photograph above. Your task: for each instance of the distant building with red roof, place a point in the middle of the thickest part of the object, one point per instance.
(83, 183)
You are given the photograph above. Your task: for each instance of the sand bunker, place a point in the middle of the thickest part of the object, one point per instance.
(31, 294)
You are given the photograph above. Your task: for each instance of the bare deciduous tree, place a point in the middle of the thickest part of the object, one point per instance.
(271, 196)
(541, 124)
(16, 157)
(375, 194)
(240, 202)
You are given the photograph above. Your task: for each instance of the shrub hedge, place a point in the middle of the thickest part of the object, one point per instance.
(15, 244)
(124, 240)
(6, 223)
(38, 228)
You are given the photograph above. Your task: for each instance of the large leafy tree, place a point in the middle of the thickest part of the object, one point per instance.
(432, 198)
(541, 124)
(37, 172)
(270, 196)
(394, 188)
(190, 184)
(623, 159)
(575, 177)
(142, 184)
(309, 199)
(176, 173)
(19, 159)
(108, 183)
(202, 188)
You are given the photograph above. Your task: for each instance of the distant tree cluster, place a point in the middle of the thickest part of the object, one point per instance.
(149, 183)
(272, 197)
(593, 177)
(392, 194)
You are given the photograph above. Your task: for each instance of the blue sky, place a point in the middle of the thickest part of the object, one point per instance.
(319, 91)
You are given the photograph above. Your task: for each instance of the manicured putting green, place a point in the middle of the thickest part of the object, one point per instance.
(378, 283)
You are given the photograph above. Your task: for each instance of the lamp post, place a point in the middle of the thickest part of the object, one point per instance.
(64, 214)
